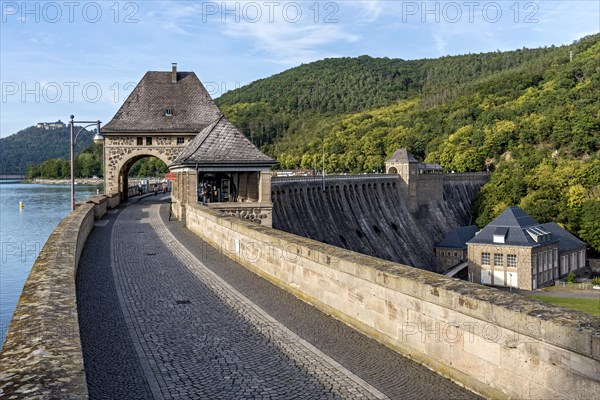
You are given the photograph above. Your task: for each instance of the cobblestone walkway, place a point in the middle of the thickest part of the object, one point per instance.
(156, 322)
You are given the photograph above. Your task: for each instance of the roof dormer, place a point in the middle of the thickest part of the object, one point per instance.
(499, 235)
(539, 234)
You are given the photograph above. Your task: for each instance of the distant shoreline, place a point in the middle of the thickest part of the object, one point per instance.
(78, 181)
(83, 181)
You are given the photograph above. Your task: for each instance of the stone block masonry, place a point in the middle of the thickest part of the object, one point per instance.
(372, 214)
(498, 344)
(42, 357)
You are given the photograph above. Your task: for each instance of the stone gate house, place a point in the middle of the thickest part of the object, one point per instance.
(171, 116)
(514, 250)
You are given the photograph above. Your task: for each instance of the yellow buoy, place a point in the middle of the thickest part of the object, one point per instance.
(21, 205)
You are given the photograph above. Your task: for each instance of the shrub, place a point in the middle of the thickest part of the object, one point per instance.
(571, 277)
(596, 281)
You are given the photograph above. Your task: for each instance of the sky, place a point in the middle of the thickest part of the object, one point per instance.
(59, 58)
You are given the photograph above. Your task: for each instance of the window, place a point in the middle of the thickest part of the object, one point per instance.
(582, 258)
(180, 140)
(555, 257)
(498, 260)
(140, 141)
(511, 259)
(148, 141)
(485, 258)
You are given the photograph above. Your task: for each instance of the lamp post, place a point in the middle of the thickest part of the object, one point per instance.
(98, 139)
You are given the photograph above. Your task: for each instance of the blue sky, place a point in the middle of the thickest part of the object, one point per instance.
(84, 57)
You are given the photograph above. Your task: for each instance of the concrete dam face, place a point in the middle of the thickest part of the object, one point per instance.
(372, 215)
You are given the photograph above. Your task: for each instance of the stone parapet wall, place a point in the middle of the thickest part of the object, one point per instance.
(316, 179)
(496, 343)
(42, 357)
(295, 185)
(467, 176)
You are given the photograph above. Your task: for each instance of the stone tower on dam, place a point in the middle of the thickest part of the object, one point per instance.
(398, 216)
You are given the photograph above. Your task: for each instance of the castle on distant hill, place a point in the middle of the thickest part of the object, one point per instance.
(51, 125)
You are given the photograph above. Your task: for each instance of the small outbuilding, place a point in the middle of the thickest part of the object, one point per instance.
(452, 250)
(224, 170)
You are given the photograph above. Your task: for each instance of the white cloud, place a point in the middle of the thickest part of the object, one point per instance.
(173, 27)
(291, 44)
(368, 10)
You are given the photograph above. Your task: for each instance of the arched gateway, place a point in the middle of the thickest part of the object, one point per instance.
(171, 116)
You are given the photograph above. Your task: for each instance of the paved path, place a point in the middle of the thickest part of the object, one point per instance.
(165, 316)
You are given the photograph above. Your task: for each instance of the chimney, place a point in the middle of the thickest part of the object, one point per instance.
(174, 73)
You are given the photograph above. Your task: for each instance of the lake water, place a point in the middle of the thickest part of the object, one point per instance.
(23, 232)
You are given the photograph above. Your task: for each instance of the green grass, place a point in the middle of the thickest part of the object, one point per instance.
(591, 306)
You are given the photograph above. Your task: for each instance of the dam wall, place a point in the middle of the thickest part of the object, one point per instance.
(373, 215)
(41, 357)
(496, 343)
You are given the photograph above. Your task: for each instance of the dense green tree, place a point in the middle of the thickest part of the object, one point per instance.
(148, 166)
(590, 227)
(33, 145)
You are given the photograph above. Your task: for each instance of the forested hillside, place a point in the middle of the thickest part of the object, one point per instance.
(34, 145)
(531, 116)
(265, 109)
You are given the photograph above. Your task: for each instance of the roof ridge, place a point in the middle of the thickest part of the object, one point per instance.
(143, 110)
(189, 150)
(222, 142)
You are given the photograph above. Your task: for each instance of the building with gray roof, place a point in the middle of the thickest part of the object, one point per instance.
(452, 250)
(515, 250)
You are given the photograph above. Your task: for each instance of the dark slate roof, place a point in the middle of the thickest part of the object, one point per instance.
(144, 110)
(517, 221)
(458, 237)
(402, 156)
(222, 143)
(567, 241)
(514, 217)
